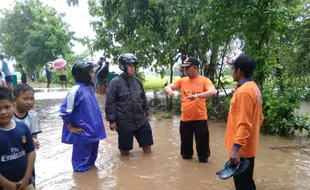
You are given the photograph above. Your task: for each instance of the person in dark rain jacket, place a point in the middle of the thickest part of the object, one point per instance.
(127, 108)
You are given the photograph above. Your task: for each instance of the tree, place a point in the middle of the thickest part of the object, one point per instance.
(34, 34)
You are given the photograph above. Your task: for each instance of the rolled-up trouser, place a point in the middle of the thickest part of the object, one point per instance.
(84, 155)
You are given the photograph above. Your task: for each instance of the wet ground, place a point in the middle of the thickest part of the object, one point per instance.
(163, 169)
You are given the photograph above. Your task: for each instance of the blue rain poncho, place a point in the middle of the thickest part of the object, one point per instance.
(80, 108)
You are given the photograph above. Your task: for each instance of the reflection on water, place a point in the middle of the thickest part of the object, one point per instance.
(164, 168)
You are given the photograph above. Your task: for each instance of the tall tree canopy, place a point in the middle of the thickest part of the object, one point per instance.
(269, 30)
(33, 34)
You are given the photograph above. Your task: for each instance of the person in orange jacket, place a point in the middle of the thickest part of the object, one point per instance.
(244, 120)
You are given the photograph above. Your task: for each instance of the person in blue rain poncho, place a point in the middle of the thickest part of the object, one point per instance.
(83, 125)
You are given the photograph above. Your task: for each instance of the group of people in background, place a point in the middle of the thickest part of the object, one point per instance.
(127, 111)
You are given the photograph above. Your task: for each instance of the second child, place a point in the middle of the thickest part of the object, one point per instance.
(24, 102)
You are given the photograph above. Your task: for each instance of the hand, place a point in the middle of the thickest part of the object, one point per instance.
(171, 94)
(112, 126)
(193, 97)
(234, 156)
(10, 186)
(36, 143)
(76, 130)
(22, 184)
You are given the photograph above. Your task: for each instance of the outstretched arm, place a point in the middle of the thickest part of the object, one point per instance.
(170, 90)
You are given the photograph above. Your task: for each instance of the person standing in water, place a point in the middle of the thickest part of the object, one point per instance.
(244, 120)
(102, 78)
(83, 125)
(194, 90)
(127, 109)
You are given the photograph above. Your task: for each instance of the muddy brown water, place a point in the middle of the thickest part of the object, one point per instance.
(163, 169)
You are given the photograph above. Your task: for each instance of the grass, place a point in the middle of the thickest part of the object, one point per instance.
(151, 83)
(157, 83)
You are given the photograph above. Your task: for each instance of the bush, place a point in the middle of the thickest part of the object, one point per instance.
(279, 112)
(218, 107)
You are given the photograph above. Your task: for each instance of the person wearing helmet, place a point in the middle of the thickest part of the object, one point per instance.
(83, 125)
(127, 108)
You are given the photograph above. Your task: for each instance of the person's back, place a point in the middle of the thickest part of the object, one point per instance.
(103, 72)
(102, 78)
(16, 147)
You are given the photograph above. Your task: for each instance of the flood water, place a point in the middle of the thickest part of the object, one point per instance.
(163, 169)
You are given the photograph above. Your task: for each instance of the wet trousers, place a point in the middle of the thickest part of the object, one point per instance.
(200, 130)
(245, 180)
(84, 155)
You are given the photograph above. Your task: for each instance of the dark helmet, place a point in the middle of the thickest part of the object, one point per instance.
(125, 59)
(80, 70)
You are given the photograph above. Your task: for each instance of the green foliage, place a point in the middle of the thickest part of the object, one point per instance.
(218, 110)
(34, 34)
(279, 112)
(176, 104)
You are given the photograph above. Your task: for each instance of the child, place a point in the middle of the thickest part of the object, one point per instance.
(24, 102)
(83, 125)
(17, 153)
